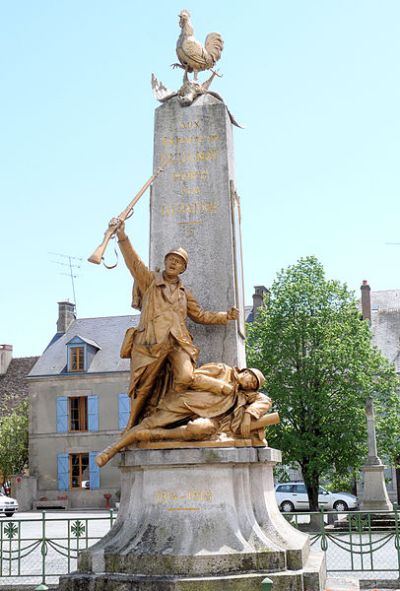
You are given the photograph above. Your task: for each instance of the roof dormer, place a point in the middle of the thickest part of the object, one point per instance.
(80, 353)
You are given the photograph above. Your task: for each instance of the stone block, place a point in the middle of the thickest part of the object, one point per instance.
(199, 519)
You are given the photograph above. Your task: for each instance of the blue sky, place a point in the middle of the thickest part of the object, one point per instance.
(315, 83)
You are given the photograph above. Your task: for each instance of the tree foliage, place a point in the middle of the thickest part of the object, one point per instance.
(320, 367)
(14, 441)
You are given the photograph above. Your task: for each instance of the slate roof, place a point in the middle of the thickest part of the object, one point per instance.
(385, 323)
(388, 299)
(13, 383)
(107, 332)
(248, 313)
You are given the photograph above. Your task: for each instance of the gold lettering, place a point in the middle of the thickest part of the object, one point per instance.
(200, 496)
(184, 157)
(189, 139)
(190, 190)
(192, 175)
(192, 208)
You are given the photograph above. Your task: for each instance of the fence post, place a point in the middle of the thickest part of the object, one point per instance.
(43, 549)
(397, 534)
(266, 585)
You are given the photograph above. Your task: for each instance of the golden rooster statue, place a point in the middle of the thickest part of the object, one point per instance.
(193, 56)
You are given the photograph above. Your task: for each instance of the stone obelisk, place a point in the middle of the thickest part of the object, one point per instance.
(194, 204)
(375, 496)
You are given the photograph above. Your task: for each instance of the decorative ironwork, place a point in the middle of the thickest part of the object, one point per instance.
(11, 530)
(51, 551)
(78, 529)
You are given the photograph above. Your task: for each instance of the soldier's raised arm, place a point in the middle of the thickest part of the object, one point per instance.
(136, 266)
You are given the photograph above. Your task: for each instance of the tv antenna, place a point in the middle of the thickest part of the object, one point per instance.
(72, 263)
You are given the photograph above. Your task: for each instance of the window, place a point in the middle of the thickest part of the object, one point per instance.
(300, 488)
(285, 488)
(76, 359)
(79, 470)
(78, 415)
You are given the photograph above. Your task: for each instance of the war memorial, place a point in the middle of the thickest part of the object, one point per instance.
(198, 509)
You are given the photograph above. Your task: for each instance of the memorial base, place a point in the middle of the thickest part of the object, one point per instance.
(375, 496)
(199, 519)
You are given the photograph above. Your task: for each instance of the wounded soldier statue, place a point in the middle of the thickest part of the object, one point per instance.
(222, 403)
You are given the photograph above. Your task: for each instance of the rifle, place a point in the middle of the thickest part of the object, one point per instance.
(98, 254)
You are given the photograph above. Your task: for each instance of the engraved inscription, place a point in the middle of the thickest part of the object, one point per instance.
(190, 124)
(188, 157)
(195, 495)
(189, 139)
(191, 175)
(192, 208)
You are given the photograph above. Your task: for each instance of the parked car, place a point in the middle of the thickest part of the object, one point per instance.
(6, 488)
(8, 505)
(292, 496)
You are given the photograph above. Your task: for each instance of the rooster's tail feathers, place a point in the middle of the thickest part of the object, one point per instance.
(214, 46)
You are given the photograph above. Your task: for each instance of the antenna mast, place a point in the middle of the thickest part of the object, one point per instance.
(71, 264)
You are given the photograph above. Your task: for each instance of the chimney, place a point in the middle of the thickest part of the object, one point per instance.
(366, 301)
(66, 315)
(6, 352)
(258, 297)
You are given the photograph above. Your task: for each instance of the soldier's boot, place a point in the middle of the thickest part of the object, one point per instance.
(106, 455)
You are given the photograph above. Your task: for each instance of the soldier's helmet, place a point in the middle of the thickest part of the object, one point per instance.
(258, 375)
(181, 252)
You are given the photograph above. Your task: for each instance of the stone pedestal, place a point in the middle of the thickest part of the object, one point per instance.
(199, 519)
(375, 496)
(194, 204)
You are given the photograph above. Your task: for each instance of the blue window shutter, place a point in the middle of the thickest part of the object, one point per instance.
(62, 414)
(63, 471)
(93, 413)
(124, 409)
(94, 471)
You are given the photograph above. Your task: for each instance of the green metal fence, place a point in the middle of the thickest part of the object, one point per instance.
(43, 547)
(356, 541)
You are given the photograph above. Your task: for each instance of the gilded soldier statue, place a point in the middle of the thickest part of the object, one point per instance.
(162, 335)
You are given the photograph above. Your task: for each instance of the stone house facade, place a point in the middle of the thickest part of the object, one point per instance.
(78, 406)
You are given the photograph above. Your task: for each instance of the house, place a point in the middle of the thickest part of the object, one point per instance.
(78, 406)
(381, 309)
(13, 382)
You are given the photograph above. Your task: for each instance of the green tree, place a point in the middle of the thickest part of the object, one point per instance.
(14, 441)
(320, 367)
(388, 431)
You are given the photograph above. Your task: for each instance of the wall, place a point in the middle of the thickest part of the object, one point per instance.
(45, 443)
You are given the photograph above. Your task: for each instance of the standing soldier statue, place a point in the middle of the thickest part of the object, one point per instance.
(162, 334)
